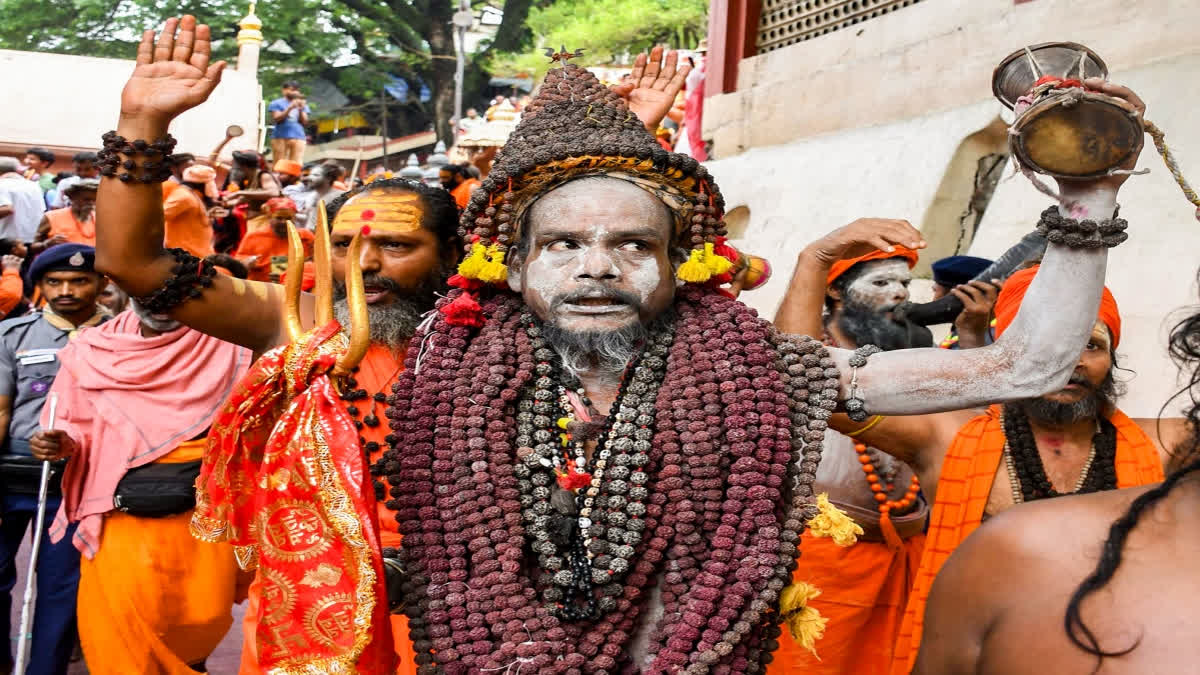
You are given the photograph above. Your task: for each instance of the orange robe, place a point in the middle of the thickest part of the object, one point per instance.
(186, 224)
(462, 193)
(377, 373)
(12, 290)
(271, 253)
(962, 494)
(63, 222)
(864, 588)
(154, 599)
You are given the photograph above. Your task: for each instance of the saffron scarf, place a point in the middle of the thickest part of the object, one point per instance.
(962, 493)
(127, 400)
(285, 481)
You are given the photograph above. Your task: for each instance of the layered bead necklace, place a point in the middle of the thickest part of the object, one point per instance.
(1027, 474)
(585, 517)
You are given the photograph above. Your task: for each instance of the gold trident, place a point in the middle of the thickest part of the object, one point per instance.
(360, 337)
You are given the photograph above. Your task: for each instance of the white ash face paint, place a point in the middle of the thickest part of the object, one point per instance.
(598, 256)
(882, 286)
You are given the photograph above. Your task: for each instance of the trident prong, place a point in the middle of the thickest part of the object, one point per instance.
(294, 282)
(356, 302)
(323, 268)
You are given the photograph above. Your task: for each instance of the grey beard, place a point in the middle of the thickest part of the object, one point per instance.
(392, 324)
(868, 326)
(1055, 413)
(608, 352)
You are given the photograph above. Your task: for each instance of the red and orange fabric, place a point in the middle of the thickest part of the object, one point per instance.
(269, 251)
(842, 266)
(863, 591)
(63, 222)
(968, 473)
(285, 481)
(1013, 292)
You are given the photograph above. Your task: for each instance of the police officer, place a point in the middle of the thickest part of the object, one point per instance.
(68, 281)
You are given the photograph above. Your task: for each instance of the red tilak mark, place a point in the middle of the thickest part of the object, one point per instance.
(366, 230)
(368, 214)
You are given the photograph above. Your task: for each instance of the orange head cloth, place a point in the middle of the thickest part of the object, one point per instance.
(1009, 301)
(840, 267)
(275, 204)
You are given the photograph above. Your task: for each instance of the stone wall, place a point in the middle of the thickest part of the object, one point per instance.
(890, 126)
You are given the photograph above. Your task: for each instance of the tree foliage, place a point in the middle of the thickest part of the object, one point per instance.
(608, 31)
(413, 39)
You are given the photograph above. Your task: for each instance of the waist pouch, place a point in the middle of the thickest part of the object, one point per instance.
(22, 474)
(158, 490)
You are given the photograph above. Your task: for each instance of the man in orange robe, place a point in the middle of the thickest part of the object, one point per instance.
(152, 599)
(187, 223)
(460, 183)
(264, 251)
(76, 223)
(864, 586)
(1073, 440)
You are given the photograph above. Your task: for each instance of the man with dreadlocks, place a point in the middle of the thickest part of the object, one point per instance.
(408, 244)
(1002, 601)
(592, 467)
(598, 470)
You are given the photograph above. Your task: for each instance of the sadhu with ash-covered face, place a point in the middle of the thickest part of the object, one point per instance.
(598, 460)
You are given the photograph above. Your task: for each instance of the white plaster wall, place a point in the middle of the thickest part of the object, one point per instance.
(798, 191)
(69, 101)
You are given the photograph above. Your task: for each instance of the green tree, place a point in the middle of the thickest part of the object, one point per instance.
(304, 38)
(608, 31)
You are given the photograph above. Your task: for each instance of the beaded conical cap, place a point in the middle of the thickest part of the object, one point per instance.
(576, 127)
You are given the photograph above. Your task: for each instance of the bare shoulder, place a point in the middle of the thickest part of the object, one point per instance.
(1168, 433)
(1022, 530)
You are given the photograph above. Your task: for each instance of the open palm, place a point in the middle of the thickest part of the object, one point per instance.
(653, 85)
(172, 73)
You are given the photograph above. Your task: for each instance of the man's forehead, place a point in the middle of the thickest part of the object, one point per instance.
(585, 202)
(1100, 332)
(381, 209)
(892, 268)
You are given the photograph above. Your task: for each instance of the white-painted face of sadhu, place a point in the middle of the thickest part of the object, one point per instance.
(596, 256)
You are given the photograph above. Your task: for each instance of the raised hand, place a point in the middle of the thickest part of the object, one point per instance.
(653, 85)
(864, 236)
(172, 74)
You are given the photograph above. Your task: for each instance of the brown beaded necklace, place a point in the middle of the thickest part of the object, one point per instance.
(354, 398)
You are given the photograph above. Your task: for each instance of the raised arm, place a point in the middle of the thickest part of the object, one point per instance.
(173, 75)
(1037, 353)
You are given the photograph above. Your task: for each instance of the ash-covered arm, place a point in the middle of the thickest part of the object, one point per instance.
(1036, 355)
